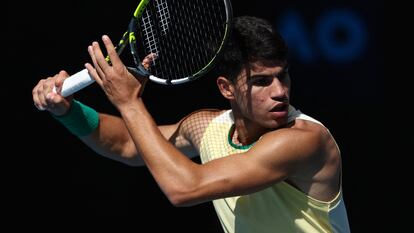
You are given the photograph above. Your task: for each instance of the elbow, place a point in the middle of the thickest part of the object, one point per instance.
(185, 189)
(181, 201)
(132, 163)
(182, 197)
(177, 202)
(131, 158)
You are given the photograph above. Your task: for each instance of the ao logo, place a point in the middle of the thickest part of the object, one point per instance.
(339, 36)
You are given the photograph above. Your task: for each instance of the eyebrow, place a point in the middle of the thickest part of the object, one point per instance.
(277, 74)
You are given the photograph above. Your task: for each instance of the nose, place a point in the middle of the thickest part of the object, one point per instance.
(278, 90)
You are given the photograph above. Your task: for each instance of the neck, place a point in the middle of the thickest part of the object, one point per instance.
(246, 132)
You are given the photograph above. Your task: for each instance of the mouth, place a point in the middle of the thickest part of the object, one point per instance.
(280, 108)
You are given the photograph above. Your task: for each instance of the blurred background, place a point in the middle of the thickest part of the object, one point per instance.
(337, 65)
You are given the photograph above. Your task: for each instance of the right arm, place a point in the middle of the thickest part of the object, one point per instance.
(111, 138)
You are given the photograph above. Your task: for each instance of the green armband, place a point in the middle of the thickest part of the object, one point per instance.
(81, 120)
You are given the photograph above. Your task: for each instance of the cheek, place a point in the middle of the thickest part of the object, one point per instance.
(258, 102)
(258, 98)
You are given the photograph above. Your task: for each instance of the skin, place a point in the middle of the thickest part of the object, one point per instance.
(301, 153)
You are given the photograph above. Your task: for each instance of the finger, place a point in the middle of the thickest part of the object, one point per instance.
(100, 59)
(59, 80)
(57, 104)
(95, 63)
(48, 85)
(93, 73)
(52, 99)
(113, 55)
(36, 100)
(148, 60)
(42, 104)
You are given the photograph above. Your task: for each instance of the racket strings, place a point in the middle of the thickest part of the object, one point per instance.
(164, 15)
(186, 35)
(149, 34)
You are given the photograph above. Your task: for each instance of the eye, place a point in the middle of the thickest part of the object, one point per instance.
(262, 81)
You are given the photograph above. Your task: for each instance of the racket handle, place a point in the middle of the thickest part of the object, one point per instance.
(75, 83)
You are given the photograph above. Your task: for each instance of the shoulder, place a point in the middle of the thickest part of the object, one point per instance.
(298, 128)
(305, 154)
(193, 126)
(201, 117)
(299, 143)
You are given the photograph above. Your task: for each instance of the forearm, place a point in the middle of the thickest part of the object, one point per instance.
(111, 139)
(105, 134)
(172, 170)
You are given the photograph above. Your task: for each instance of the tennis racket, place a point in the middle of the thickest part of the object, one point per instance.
(187, 37)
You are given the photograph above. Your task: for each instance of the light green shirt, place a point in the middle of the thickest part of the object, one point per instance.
(278, 208)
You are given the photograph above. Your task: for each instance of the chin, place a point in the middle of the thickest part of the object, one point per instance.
(273, 124)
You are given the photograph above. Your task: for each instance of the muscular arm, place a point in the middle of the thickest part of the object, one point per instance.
(184, 182)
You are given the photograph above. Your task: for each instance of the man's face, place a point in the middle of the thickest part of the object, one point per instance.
(262, 94)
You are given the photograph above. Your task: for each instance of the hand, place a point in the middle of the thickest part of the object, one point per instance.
(44, 98)
(120, 86)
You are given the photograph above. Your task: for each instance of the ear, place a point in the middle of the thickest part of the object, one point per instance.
(226, 87)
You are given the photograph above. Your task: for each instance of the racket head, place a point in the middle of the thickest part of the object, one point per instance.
(187, 36)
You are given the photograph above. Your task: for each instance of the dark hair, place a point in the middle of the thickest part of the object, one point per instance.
(252, 39)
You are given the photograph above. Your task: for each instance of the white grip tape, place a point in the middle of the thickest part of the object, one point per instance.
(75, 82)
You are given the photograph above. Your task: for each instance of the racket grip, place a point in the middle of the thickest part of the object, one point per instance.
(75, 83)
